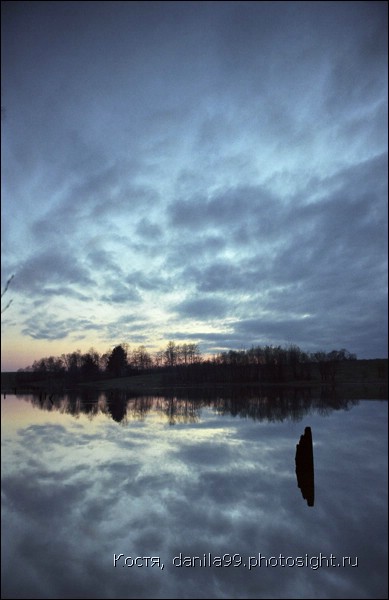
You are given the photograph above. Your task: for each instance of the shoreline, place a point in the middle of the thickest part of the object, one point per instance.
(358, 377)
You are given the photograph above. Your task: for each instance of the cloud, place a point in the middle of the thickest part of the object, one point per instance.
(224, 208)
(48, 327)
(149, 281)
(148, 229)
(122, 294)
(51, 266)
(202, 307)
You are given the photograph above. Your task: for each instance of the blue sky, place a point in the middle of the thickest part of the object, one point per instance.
(199, 171)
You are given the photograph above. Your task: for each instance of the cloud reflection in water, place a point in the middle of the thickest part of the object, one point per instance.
(82, 490)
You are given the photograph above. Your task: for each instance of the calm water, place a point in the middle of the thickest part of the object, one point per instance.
(164, 480)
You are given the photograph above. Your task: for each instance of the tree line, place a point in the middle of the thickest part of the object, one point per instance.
(119, 362)
(185, 363)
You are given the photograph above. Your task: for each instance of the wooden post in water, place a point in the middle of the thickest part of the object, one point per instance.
(304, 467)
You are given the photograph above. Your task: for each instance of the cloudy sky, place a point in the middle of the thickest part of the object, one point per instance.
(198, 171)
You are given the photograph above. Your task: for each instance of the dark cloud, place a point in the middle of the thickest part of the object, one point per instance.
(52, 266)
(135, 326)
(122, 295)
(148, 229)
(202, 308)
(227, 275)
(48, 327)
(225, 208)
(359, 74)
(102, 260)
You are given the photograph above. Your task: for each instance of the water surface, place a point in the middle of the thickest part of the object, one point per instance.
(90, 482)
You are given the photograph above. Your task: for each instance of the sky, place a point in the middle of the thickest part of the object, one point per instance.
(208, 172)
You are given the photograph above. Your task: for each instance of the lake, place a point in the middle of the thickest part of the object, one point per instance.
(119, 496)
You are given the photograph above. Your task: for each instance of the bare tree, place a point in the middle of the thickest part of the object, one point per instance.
(171, 354)
(4, 291)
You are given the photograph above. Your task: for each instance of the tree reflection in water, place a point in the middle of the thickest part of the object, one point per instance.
(261, 405)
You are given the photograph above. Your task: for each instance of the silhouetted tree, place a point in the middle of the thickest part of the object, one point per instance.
(141, 358)
(158, 358)
(294, 358)
(171, 354)
(103, 361)
(117, 361)
(90, 365)
(73, 362)
(194, 354)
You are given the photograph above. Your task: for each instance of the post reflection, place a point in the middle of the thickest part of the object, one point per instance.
(304, 467)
